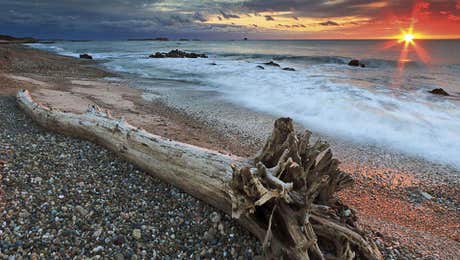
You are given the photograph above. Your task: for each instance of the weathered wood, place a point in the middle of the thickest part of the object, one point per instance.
(285, 196)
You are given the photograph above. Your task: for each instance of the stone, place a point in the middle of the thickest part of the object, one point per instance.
(137, 234)
(157, 55)
(272, 63)
(354, 63)
(425, 195)
(82, 211)
(439, 91)
(86, 56)
(177, 54)
(210, 234)
(215, 217)
(97, 249)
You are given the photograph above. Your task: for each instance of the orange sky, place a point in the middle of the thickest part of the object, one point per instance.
(380, 19)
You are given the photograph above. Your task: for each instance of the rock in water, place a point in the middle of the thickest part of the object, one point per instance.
(86, 56)
(289, 69)
(177, 54)
(157, 55)
(260, 67)
(272, 63)
(439, 91)
(356, 63)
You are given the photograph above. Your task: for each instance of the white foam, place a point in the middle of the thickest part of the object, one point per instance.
(413, 123)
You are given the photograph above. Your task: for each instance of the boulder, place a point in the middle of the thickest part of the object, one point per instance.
(356, 63)
(177, 54)
(86, 56)
(272, 63)
(439, 91)
(289, 69)
(157, 55)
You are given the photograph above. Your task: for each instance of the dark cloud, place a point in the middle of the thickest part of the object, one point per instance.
(329, 23)
(363, 8)
(228, 15)
(298, 26)
(198, 16)
(89, 19)
(269, 18)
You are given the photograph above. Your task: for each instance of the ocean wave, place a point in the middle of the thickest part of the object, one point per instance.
(410, 122)
(313, 60)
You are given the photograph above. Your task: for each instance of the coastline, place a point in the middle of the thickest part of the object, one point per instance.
(388, 192)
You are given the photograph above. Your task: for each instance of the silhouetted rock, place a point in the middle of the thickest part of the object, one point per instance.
(260, 67)
(271, 63)
(177, 54)
(439, 91)
(86, 56)
(289, 69)
(356, 63)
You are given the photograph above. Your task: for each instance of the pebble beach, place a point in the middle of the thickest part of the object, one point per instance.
(63, 197)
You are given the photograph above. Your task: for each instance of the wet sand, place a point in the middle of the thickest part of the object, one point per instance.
(412, 206)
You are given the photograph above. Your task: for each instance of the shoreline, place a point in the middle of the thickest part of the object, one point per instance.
(393, 188)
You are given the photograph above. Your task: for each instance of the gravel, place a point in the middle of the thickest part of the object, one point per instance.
(64, 197)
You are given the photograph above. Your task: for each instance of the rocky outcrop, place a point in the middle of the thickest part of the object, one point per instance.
(177, 54)
(356, 63)
(439, 91)
(86, 56)
(11, 39)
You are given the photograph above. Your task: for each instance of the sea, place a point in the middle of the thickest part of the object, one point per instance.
(385, 103)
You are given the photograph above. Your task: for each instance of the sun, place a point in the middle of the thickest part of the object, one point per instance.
(409, 37)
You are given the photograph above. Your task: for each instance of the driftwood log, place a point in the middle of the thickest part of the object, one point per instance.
(284, 196)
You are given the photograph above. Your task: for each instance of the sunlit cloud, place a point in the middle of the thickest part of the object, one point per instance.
(249, 18)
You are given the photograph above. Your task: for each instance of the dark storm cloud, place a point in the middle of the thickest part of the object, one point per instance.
(329, 23)
(104, 19)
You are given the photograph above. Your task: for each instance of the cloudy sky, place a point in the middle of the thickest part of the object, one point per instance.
(229, 19)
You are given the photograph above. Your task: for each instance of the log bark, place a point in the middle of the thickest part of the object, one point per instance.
(284, 196)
